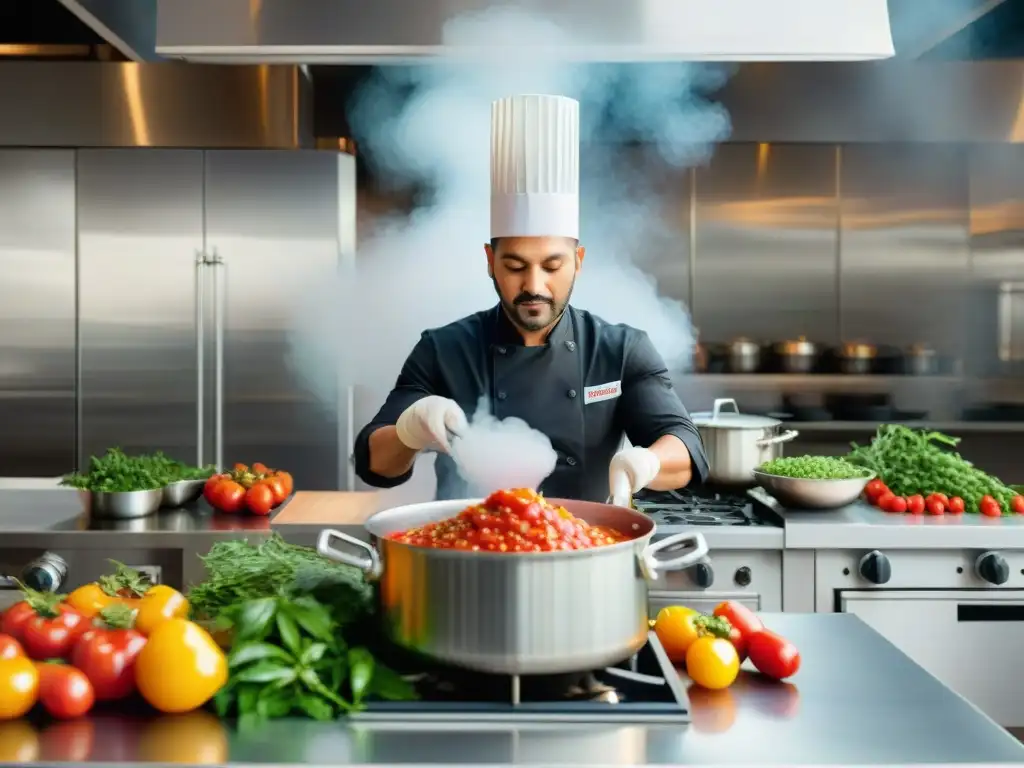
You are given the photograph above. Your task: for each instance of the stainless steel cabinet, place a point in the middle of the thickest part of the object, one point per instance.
(37, 312)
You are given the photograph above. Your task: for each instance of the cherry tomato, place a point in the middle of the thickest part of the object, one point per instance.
(739, 616)
(915, 504)
(15, 618)
(712, 663)
(242, 468)
(90, 599)
(107, 657)
(989, 507)
(19, 687)
(259, 469)
(956, 506)
(884, 500)
(934, 507)
(53, 637)
(875, 488)
(286, 479)
(259, 499)
(773, 655)
(941, 497)
(1017, 504)
(277, 487)
(676, 630)
(226, 496)
(897, 505)
(64, 691)
(10, 648)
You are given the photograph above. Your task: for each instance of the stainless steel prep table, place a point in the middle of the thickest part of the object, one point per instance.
(856, 701)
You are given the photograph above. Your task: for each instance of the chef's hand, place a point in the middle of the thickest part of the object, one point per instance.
(630, 470)
(428, 421)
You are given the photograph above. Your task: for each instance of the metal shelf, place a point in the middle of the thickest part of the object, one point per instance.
(952, 427)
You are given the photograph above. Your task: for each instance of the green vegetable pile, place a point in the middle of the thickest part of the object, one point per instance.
(288, 657)
(117, 472)
(813, 468)
(916, 461)
(299, 630)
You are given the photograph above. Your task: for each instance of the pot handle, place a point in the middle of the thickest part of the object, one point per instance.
(693, 542)
(371, 565)
(785, 437)
(719, 403)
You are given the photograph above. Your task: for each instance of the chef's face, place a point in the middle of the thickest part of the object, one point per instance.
(534, 277)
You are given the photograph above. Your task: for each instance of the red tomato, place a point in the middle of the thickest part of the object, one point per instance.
(740, 617)
(898, 505)
(226, 496)
(915, 504)
(53, 637)
(956, 506)
(989, 507)
(15, 618)
(239, 467)
(260, 469)
(875, 488)
(286, 479)
(277, 487)
(107, 657)
(773, 655)
(941, 497)
(259, 499)
(1017, 504)
(885, 500)
(10, 648)
(65, 692)
(935, 506)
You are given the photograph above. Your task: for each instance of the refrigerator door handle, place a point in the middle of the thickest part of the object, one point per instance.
(200, 298)
(219, 301)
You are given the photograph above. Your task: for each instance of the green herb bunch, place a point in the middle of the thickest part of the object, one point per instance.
(288, 657)
(914, 461)
(117, 472)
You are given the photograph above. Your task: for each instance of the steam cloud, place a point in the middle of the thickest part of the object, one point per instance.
(430, 124)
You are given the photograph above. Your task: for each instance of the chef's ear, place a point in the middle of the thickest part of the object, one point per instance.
(490, 259)
(580, 253)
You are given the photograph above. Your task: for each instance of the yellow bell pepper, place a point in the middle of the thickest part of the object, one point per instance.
(158, 604)
(181, 667)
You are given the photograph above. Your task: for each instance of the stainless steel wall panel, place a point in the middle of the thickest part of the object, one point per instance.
(140, 217)
(37, 312)
(904, 244)
(273, 218)
(766, 232)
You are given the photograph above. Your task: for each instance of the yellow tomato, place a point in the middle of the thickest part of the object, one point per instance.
(195, 738)
(712, 663)
(90, 599)
(181, 667)
(676, 629)
(19, 687)
(19, 742)
(159, 604)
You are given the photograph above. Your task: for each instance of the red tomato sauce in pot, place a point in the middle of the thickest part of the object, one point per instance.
(517, 520)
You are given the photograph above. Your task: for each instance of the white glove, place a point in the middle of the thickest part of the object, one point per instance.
(630, 470)
(428, 422)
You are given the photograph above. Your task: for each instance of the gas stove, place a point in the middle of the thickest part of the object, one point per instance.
(702, 507)
(642, 689)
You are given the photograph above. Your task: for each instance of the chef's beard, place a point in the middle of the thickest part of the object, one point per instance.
(520, 316)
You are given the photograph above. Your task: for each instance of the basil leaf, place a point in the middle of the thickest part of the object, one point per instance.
(313, 654)
(314, 619)
(276, 701)
(289, 632)
(248, 698)
(251, 652)
(388, 684)
(224, 700)
(265, 672)
(254, 619)
(315, 707)
(360, 665)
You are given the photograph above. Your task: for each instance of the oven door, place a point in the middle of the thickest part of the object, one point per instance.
(702, 601)
(971, 640)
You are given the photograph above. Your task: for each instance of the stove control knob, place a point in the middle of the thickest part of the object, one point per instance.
(742, 576)
(992, 567)
(875, 567)
(46, 573)
(703, 575)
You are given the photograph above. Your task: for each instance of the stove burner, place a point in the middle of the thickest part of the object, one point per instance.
(706, 507)
(642, 689)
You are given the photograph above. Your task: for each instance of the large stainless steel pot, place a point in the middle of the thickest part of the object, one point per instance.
(738, 443)
(516, 614)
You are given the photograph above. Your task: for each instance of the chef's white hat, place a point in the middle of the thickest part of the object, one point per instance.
(535, 167)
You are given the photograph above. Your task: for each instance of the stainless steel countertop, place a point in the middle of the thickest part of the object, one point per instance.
(856, 701)
(861, 526)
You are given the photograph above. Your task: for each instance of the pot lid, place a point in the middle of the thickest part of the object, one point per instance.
(725, 413)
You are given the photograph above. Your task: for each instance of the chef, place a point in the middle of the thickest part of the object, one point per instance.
(583, 382)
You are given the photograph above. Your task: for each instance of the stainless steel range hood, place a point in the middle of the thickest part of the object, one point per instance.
(401, 31)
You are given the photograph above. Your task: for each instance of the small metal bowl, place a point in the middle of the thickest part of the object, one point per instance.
(122, 505)
(806, 493)
(182, 492)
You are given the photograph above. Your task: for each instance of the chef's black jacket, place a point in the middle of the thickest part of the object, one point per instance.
(590, 383)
